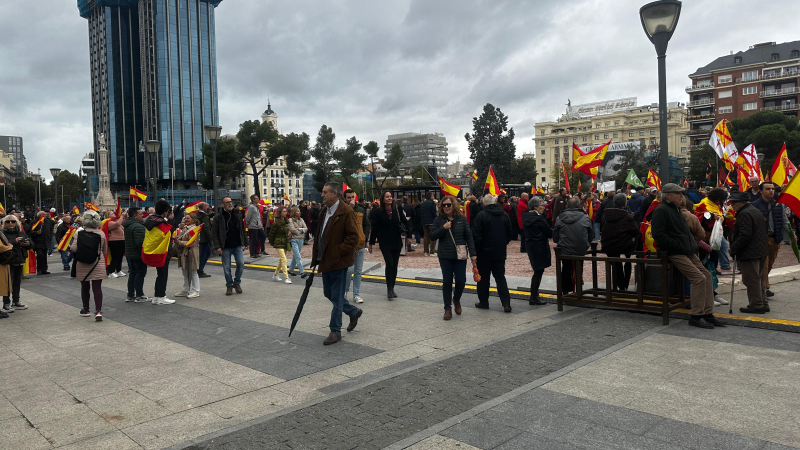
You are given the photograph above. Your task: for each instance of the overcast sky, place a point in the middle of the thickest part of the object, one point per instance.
(372, 68)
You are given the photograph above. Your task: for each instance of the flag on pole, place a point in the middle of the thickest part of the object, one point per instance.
(633, 180)
(38, 223)
(721, 141)
(192, 207)
(63, 244)
(748, 161)
(118, 211)
(791, 196)
(75, 210)
(346, 187)
(491, 183)
(686, 183)
(91, 206)
(540, 190)
(722, 178)
(286, 197)
(449, 188)
(135, 193)
(708, 174)
(580, 186)
(193, 233)
(588, 162)
(653, 180)
(474, 175)
(266, 202)
(744, 181)
(566, 180)
(782, 169)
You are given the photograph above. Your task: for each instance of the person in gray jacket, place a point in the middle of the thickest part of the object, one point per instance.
(573, 233)
(254, 226)
(450, 228)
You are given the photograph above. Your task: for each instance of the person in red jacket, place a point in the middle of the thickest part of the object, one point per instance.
(522, 207)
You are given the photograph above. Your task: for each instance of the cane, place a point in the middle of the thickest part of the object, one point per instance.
(733, 279)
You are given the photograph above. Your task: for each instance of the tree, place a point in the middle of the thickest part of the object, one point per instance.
(293, 148)
(70, 188)
(230, 163)
(522, 170)
(252, 135)
(324, 163)
(419, 172)
(557, 175)
(26, 192)
(392, 163)
(350, 160)
(635, 158)
(699, 158)
(768, 130)
(492, 143)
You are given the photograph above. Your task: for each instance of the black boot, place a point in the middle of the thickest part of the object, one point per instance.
(699, 322)
(534, 300)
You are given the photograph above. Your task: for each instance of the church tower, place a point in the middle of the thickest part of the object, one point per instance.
(269, 115)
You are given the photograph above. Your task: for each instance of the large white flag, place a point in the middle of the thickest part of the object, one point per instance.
(722, 142)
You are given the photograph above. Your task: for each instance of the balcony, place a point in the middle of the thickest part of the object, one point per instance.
(699, 87)
(703, 102)
(700, 117)
(789, 107)
(780, 92)
(705, 132)
(770, 76)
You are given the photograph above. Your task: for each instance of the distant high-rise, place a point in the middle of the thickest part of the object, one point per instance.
(13, 145)
(153, 76)
(427, 150)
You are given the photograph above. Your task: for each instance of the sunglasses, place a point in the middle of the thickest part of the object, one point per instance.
(446, 205)
(11, 222)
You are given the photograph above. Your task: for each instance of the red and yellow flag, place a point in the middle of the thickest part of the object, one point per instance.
(192, 207)
(474, 175)
(744, 181)
(156, 245)
(566, 180)
(783, 168)
(118, 211)
(104, 227)
(539, 190)
(346, 187)
(63, 244)
(38, 222)
(589, 162)
(791, 196)
(193, 233)
(2, 210)
(449, 188)
(76, 210)
(286, 197)
(653, 180)
(135, 193)
(30, 264)
(491, 183)
(648, 244)
(90, 205)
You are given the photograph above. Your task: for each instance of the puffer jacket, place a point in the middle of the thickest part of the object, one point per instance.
(427, 210)
(134, 238)
(278, 234)
(461, 233)
(618, 232)
(20, 252)
(749, 239)
(491, 231)
(573, 232)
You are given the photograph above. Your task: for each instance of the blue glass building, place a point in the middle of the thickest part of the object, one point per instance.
(153, 76)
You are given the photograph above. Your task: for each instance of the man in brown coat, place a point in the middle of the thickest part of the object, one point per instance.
(334, 251)
(559, 203)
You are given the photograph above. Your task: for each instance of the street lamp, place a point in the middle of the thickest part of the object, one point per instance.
(402, 173)
(659, 20)
(212, 133)
(153, 147)
(55, 172)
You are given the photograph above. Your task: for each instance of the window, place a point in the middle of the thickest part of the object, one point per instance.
(752, 106)
(749, 90)
(724, 79)
(737, 59)
(541, 142)
(652, 141)
(605, 136)
(775, 57)
(652, 131)
(542, 132)
(725, 109)
(749, 75)
(795, 53)
(544, 170)
(725, 94)
(544, 179)
(574, 139)
(616, 124)
(608, 124)
(683, 138)
(616, 135)
(543, 161)
(597, 136)
(630, 134)
(683, 149)
(641, 132)
(584, 139)
(556, 141)
(597, 125)
(542, 152)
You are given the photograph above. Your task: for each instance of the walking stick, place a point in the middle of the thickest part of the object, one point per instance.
(733, 279)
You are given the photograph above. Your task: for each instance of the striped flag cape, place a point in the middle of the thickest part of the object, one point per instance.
(63, 245)
(104, 227)
(156, 243)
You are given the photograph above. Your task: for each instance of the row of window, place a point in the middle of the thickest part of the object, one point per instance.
(606, 136)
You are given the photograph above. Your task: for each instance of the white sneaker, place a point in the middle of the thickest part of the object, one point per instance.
(276, 278)
(163, 301)
(121, 274)
(182, 294)
(358, 299)
(426, 254)
(193, 294)
(720, 300)
(287, 281)
(716, 303)
(112, 275)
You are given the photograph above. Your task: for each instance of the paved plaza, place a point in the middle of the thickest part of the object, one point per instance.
(220, 372)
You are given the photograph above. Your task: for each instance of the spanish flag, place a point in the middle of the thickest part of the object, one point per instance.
(589, 162)
(491, 183)
(75, 210)
(135, 193)
(566, 179)
(264, 202)
(38, 222)
(286, 197)
(346, 187)
(2, 210)
(63, 245)
(192, 207)
(648, 244)
(30, 264)
(104, 227)
(449, 188)
(653, 180)
(193, 233)
(783, 168)
(118, 211)
(539, 190)
(474, 175)
(156, 243)
(791, 196)
(90, 205)
(744, 181)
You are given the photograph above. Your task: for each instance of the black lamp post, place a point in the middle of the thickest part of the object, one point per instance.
(55, 172)
(212, 133)
(659, 20)
(152, 157)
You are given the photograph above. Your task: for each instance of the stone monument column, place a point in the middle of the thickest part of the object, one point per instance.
(105, 200)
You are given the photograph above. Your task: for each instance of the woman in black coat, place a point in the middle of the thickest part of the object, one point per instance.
(618, 236)
(537, 243)
(450, 228)
(389, 225)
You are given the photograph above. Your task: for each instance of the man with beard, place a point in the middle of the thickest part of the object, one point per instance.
(230, 241)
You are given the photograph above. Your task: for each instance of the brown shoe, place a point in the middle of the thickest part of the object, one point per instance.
(457, 307)
(332, 338)
(237, 288)
(354, 320)
(229, 290)
(448, 314)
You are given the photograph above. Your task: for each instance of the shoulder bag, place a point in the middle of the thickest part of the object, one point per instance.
(461, 250)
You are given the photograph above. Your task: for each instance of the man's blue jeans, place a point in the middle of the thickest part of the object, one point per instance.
(238, 255)
(205, 252)
(66, 258)
(355, 272)
(724, 258)
(333, 288)
(297, 244)
(596, 231)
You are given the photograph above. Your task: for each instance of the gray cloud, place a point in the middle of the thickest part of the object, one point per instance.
(369, 68)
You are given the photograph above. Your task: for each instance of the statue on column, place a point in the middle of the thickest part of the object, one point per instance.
(105, 200)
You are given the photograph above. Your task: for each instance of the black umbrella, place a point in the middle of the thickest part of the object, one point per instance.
(303, 299)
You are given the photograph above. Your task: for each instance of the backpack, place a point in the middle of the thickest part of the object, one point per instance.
(88, 247)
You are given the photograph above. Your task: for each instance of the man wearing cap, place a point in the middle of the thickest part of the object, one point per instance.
(749, 247)
(672, 235)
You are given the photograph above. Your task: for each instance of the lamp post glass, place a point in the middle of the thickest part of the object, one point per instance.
(660, 17)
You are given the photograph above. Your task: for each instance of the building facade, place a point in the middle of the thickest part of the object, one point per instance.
(13, 145)
(7, 169)
(428, 150)
(619, 121)
(764, 77)
(153, 77)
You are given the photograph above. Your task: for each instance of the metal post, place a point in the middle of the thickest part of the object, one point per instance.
(62, 198)
(662, 112)
(214, 170)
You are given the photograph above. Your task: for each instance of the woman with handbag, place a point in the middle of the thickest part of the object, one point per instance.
(91, 275)
(279, 237)
(454, 236)
(116, 243)
(7, 256)
(20, 242)
(188, 256)
(388, 226)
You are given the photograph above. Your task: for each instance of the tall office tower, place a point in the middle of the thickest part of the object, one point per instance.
(153, 77)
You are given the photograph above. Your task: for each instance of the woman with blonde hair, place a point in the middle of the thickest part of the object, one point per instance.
(279, 238)
(116, 243)
(91, 274)
(188, 256)
(298, 229)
